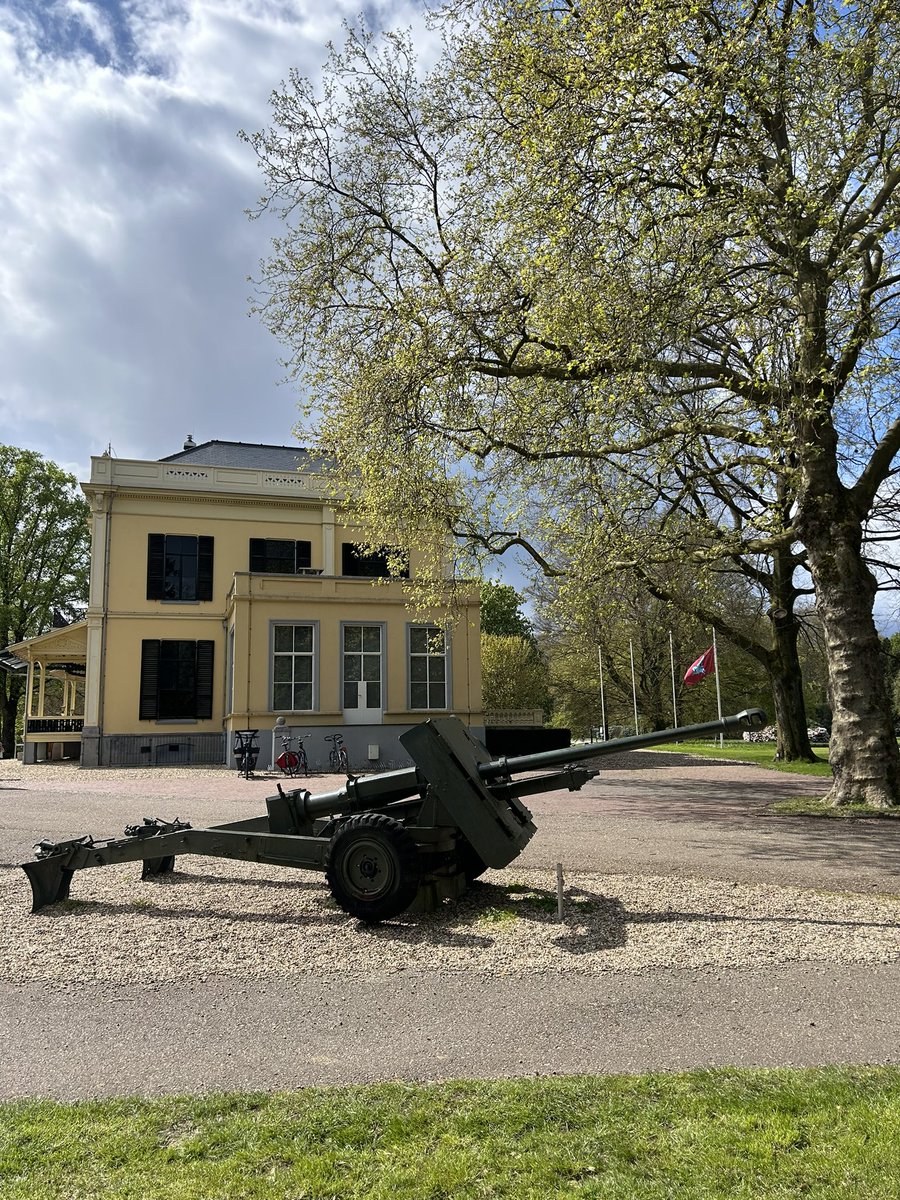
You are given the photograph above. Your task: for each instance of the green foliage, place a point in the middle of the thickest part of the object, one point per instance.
(44, 559)
(45, 540)
(703, 1135)
(513, 674)
(501, 611)
(621, 622)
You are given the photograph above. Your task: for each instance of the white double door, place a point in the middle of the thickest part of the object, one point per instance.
(362, 686)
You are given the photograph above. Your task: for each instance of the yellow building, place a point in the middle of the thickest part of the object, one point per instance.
(227, 594)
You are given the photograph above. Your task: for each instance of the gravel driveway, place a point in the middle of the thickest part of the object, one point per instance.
(697, 930)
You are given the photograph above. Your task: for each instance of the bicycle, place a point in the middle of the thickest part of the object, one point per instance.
(291, 762)
(338, 762)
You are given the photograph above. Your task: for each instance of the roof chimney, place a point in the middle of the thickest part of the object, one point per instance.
(190, 444)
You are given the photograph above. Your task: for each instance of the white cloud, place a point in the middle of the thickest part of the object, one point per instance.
(94, 20)
(122, 193)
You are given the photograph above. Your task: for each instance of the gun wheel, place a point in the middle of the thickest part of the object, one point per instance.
(372, 867)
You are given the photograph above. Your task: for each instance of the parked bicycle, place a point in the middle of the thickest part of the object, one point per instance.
(337, 755)
(293, 762)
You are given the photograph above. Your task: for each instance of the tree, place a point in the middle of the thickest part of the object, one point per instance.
(676, 558)
(514, 674)
(890, 648)
(626, 624)
(501, 611)
(44, 560)
(513, 670)
(654, 231)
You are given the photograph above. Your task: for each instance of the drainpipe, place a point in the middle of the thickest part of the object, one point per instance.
(101, 711)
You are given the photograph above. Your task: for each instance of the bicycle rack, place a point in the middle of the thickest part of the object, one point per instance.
(246, 750)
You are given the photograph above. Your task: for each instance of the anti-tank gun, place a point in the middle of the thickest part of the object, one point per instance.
(387, 843)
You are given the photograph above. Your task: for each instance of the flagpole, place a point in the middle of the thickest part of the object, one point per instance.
(718, 688)
(633, 685)
(602, 697)
(672, 662)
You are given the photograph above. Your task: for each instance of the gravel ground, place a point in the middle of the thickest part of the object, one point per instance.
(686, 942)
(214, 918)
(222, 918)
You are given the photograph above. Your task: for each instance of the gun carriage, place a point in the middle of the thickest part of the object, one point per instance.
(387, 843)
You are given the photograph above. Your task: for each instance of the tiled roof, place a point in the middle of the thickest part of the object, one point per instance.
(248, 454)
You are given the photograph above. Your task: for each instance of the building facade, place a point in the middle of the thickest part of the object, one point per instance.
(228, 593)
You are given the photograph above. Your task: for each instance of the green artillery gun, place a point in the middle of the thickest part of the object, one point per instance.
(396, 841)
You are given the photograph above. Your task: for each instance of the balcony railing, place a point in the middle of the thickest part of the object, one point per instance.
(54, 725)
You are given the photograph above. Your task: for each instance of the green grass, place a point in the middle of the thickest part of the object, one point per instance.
(809, 806)
(761, 754)
(707, 1135)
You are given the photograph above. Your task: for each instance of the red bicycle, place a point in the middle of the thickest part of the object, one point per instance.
(293, 762)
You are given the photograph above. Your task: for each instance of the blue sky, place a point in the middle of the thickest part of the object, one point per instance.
(123, 188)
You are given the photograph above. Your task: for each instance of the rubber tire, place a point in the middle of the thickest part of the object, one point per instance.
(381, 844)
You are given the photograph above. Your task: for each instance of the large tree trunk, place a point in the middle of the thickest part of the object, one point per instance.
(790, 707)
(863, 752)
(785, 672)
(786, 677)
(11, 689)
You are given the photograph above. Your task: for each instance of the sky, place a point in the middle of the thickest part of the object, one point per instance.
(127, 251)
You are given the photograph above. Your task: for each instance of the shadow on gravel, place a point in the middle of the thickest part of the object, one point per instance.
(700, 918)
(304, 881)
(591, 921)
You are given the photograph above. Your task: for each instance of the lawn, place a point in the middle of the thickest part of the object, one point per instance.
(761, 754)
(703, 1135)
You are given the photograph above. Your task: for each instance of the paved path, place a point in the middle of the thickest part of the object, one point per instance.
(662, 816)
(223, 1035)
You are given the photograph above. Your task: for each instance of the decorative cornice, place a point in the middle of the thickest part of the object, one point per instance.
(230, 500)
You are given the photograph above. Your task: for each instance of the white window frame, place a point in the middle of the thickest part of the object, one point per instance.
(410, 654)
(313, 655)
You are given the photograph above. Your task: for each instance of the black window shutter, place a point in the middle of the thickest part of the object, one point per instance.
(204, 568)
(257, 554)
(304, 555)
(204, 680)
(156, 565)
(149, 702)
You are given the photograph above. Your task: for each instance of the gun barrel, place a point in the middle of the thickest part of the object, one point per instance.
(749, 718)
(368, 791)
(372, 791)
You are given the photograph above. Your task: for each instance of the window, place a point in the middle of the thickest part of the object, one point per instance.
(371, 566)
(176, 680)
(427, 667)
(361, 682)
(293, 655)
(276, 556)
(179, 567)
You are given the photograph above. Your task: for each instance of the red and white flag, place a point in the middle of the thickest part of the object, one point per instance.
(698, 671)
